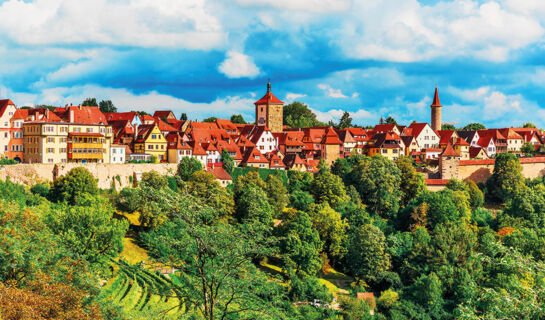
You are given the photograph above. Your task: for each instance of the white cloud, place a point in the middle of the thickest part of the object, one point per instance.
(303, 5)
(336, 114)
(497, 104)
(125, 100)
(333, 93)
(293, 96)
(405, 30)
(143, 23)
(238, 65)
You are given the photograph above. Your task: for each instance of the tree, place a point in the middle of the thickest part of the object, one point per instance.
(412, 182)
(327, 187)
(429, 209)
(75, 184)
(390, 120)
(90, 102)
(354, 309)
(228, 161)
(44, 299)
(476, 196)
(183, 117)
(216, 273)
(528, 125)
(367, 254)
(300, 245)
(90, 231)
(474, 126)
(528, 149)
(154, 180)
(506, 180)
(299, 115)
(237, 118)
(276, 193)
(252, 206)
(107, 106)
(187, 166)
(345, 121)
(331, 228)
(447, 126)
(378, 181)
(204, 186)
(210, 119)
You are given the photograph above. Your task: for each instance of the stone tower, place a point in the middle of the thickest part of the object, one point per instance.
(436, 112)
(269, 111)
(449, 163)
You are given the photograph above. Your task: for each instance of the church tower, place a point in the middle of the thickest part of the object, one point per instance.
(436, 112)
(269, 111)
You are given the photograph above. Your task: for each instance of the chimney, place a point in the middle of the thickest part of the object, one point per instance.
(71, 115)
(46, 113)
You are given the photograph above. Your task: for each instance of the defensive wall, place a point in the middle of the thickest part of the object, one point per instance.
(121, 175)
(478, 170)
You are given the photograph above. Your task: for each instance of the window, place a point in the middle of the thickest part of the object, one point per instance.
(50, 150)
(154, 136)
(90, 130)
(77, 129)
(50, 140)
(63, 129)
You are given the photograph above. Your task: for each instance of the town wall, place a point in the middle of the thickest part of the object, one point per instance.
(480, 170)
(105, 173)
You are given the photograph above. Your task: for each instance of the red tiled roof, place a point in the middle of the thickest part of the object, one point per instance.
(387, 127)
(268, 98)
(474, 151)
(461, 142)
(85, 115)
(331, 137)
(437, 182)
(477, 162)
(416, 128)
(198, 150)
(20, 114)
(4, 105)
(220, 173)
(436, 102)
(116, 116)
(449, 151)
(162, 114)
(163, 126)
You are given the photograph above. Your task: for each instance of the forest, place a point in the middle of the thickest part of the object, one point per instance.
(363, 239)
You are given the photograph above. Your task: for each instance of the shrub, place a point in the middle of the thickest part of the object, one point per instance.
(40, 189)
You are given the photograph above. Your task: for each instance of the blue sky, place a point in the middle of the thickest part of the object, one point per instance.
(373, 58)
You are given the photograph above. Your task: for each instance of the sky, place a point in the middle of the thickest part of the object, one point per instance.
(372, 58)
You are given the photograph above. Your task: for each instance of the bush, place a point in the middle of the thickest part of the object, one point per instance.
(74, 184)
(40, 189)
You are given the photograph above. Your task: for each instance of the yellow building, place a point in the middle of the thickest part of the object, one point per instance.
(61, 142)
(150, 140)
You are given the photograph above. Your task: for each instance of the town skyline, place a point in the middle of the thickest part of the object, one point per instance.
(207, 58)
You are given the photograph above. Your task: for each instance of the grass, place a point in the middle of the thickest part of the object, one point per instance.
(133, 253)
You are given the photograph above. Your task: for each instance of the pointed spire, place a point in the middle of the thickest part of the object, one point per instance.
(269, 86)
(449, 151)
(436, 102)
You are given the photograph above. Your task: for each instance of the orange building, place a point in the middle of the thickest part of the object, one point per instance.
(15, 146)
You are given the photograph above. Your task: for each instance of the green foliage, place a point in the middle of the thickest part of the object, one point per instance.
(412, 182)
(474, 126)
(187, 166)
(90, 102)
(327, 187)
(7, 161)
(77, 183)
(263, 173)
(252, 205)
(506, 180)
(214, 260)
(276, 194)
(210, 119)
(482, 217)
(153, 180)
(528, 125)
(476, 196)
(387, 299)
(237, 118)
(367, 254)
(183, 116)
(40, 189)
(430, 209)
(205, 187)
(345, 121)
(378, 181)
(90, 231)
(299, 115)
(354, 309)
(390, 120)
(107, 106)
(528, 204)
(447, 126)
(228, 161)
(528, 149)
(331, 228)
(307, 289)
(301, 200)
(300, 245)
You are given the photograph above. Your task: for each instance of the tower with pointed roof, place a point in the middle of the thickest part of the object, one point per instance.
(269, 111)
(449, 163)
(436, 112)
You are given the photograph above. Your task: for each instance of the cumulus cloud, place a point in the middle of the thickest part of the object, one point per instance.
(238, 65)
(127, 101)
(293, 96)
(304, 5)
(333, 93)
(406, 31)
(142, 23)
(336, 114)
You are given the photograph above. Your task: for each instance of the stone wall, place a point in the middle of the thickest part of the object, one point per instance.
(480, 170)
(106, 174)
